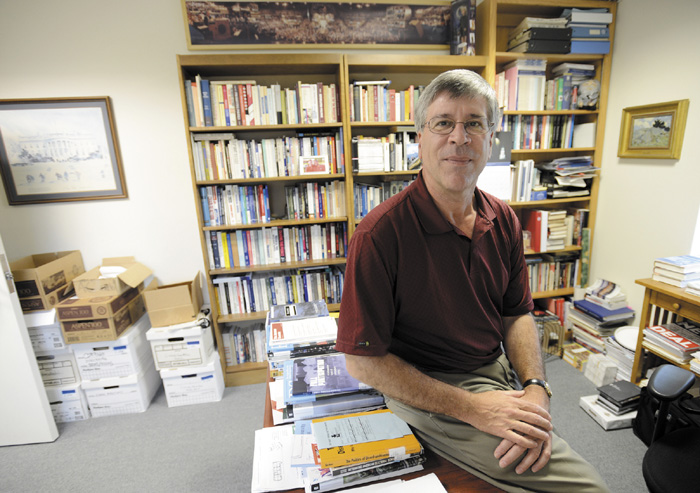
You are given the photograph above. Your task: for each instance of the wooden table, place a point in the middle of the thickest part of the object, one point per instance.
(453, 478)
(663, 303)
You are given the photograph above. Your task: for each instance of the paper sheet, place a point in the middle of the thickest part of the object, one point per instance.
(272, 469)
(359, 429)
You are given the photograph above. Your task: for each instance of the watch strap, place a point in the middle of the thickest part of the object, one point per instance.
(541, 383)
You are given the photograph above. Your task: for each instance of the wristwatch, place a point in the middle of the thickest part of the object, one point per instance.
(541, 383)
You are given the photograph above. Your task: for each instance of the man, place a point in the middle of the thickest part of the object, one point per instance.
(436, 289)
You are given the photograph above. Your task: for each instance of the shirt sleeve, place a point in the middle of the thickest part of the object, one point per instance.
(367, 312)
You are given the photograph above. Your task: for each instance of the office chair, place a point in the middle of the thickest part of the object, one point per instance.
(672, 462)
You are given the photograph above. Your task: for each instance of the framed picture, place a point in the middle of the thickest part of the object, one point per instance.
(653, 131)
(313, 165)
(57, 150)
(226, 25)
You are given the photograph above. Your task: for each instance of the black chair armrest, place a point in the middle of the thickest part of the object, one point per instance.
(669, 382)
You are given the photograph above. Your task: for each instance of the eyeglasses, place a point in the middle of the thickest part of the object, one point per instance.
(444, 126)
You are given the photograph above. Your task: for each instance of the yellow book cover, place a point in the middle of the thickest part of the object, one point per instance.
(362, 437)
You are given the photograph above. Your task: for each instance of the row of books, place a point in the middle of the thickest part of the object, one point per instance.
(244, 344)
(540, 131)
(258, 292)
(222, 156)
(314, 200)
(549, 272)
(276, 245)
(234, 204)
(368, 196)
(374, 101)
(396, 152)
(219, 103)
(552, 230)
(676, 341)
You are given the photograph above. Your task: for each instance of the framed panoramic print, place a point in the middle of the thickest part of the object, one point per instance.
(653, 131)
(226, 25)
(57, 150)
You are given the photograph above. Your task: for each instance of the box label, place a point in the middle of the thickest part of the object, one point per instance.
(31, 304)
(54, 281)
(25, 289)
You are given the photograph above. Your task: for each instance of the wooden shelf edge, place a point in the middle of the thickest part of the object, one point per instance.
(552, 294)
(278, 222)
(274, 267)
(251, 317)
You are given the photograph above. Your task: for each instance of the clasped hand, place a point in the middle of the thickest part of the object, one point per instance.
(524, 425)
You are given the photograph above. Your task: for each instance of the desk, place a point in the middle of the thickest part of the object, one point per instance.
(663, 303)
(453, 478)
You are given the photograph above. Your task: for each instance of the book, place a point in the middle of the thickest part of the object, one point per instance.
(581, 30)
(319, 480)
(620, 393)
(306, 331)
(603, 314)
(589, 16)
(362, 437)
(295, 311)
(663, 335)
(590, 46)
(542, 46)
(463, 27)
(531, 22)
(320, 375)
(682, 263)
(536, 222)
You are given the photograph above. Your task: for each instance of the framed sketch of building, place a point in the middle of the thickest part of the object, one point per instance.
(54, 150)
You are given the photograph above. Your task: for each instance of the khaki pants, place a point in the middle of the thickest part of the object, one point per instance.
(472, 449)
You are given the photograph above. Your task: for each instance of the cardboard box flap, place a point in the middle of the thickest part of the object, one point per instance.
(135, 272)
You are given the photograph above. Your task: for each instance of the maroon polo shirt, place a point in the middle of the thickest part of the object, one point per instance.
(417, 287)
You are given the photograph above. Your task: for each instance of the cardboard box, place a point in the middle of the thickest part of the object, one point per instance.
(107, 328)
(121, 395)
(600, 370)
(68, 403)
(45, 279)
(194, 385)
(92, 283)
(174, 304)
(95, 306)
(127, 355)
(188, 346)
(58, 367)
(44, 330)
(603, 417)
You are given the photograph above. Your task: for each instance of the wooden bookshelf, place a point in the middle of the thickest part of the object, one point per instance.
(494, 19)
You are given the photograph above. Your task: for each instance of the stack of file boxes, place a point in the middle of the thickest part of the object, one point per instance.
(57, 366)
(182, 344)
(105, 326)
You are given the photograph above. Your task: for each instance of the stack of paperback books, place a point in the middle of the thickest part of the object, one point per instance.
(606, 294)
(679, 271)
(675, 341)
(593, 323)
(361, 447)
(310, 379)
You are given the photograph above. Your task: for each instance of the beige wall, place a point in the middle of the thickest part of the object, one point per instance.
(648, 207)
(127, 49)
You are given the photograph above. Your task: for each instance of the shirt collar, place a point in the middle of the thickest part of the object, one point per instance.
(434, 222)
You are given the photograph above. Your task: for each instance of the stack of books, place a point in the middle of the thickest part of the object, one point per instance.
(361, 447)
(540, 35)
(619, 397)
(590, 33)
(593, 323)
(679, 271)
(675, 341)
(606, 294)
(564, 89)
(310, 379)
(615, 405)
(620, 348)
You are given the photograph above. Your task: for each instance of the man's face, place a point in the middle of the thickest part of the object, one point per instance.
(452, 163)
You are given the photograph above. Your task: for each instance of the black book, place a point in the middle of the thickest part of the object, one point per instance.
(542, 46)
(617, 410)
(620, 393)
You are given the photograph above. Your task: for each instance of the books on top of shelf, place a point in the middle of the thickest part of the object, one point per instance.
(537, 22)
(602, 314)
(693, 288)
(362, 437)
(588, 30)
(682, 263)
(589, 16)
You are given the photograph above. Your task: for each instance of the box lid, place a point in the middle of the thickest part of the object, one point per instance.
(101, 383)
(159, 333)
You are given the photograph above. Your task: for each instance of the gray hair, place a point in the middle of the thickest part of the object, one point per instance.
(458, 83)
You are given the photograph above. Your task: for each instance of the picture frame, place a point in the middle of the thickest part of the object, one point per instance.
(381, 24)
(653, 131)
(314, 165)
(59, 150)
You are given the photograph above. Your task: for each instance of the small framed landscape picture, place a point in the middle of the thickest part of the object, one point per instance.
(56, 150)
(653, 131)
(314, 165)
